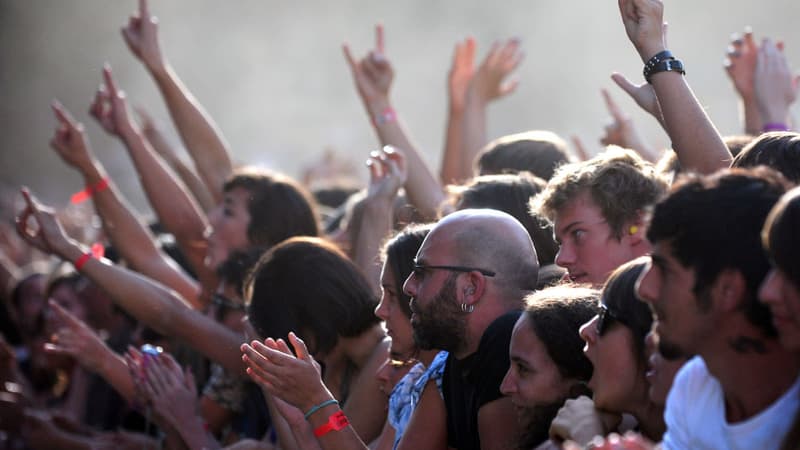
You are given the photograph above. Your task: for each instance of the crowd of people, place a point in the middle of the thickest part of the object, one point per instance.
(527, 295)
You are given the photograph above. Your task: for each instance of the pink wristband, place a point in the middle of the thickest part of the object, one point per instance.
(388, 115)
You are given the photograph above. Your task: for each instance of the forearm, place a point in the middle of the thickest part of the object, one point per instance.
(474, 131)
(452, 168)
(694, 138)
(344, 439)
(189, 177)
(115, 371)
(163, 310)
(133, 239)
(752, 117)
(423, 190)
(175, 208)
(198, 131)
(376, 224)
(194, 434)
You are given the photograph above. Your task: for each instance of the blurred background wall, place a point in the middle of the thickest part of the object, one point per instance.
(272, 73)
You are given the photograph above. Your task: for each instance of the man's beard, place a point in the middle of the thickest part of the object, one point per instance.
(535, 423)
(440, 325)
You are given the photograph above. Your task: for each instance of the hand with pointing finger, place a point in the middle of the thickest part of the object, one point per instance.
(141, 35)
(622, 131)
(70, 141)
(372, 74)
(110, 108)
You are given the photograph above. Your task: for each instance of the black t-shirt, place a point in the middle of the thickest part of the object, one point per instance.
(474, 381)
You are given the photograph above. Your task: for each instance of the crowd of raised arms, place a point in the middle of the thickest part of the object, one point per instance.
(525, 296)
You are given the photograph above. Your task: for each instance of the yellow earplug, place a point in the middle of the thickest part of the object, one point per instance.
(633, 229)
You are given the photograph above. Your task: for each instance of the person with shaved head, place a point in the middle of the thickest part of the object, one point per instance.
(467, 288)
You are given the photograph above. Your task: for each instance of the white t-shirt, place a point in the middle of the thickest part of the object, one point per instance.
(695, 415)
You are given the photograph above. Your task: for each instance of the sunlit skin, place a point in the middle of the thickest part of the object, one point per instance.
(783, 298)
(660, 371)
(667, 286)
(617, 380)
(588, 248)
(392, 371)
(229, 221)
(533, 378)
(398, 325)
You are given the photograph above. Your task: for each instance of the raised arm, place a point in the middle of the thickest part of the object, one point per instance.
(387, 173)
(200, 134)
(458, 79)
(172, 393)
(694, 138)
(74, 338)
(155, 135)
(489, 83)
(740, 65)
(775, 87)
(132, 238)
(147, 301)
(175, 208)
(373, 78)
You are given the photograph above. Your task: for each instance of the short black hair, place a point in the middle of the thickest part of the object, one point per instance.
(713, 223)
(778, 150)
(780, 235)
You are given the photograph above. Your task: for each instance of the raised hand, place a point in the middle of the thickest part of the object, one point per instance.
(490, 80)
(170, 390)
(775, 85)
(74, 338)
(295, 380)
(69, 140)
(740, 64)
(387, 173)
(47, 235)
(460, 75)
(644, 24)
(372, 74)
(110, 107)
(141, 35)
(642, 94)
(622, 130)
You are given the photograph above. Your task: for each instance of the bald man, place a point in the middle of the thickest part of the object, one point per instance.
(467, 289)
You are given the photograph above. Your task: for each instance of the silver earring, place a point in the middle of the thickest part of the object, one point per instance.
(467, 308)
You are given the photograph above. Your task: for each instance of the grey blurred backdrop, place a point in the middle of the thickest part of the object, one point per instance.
(272, 73)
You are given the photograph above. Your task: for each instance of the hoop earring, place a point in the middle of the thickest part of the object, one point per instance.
(467, 308)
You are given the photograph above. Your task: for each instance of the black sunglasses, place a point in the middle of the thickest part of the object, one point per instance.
(422, 267)
(605, 319)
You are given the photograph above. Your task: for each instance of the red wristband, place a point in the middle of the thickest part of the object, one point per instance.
(336, 422)
(87, 193)
(80, 262)
(97, 251)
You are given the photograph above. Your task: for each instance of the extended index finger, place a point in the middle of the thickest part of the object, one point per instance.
(379, 37)
(111, 86)
(62, 114)
(65, 317)
(612, 107)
